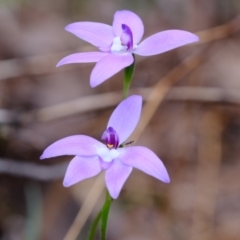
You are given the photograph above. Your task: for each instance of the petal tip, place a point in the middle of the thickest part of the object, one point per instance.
(93, 83)
(195, 38)
(190, 37)
(164, 177)
(66, 183)
(44, 156)
(62, 62)
(114, 195)
(59, 64)
(167, 180)
(67, 28)
(113, 192)
(137, 98)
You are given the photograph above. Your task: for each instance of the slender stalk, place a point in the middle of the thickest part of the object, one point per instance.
(105, 213)
(128, 74)
(93, 229)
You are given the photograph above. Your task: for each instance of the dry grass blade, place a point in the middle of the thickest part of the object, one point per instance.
(86, 208)
(160, 90)
(219, 32)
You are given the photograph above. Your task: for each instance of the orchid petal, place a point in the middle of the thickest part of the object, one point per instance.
(105, 165)
(98, 34)
(165, 41)
(108, 66)
(132, 20)
(81, 168)
(116, 176)
(125, 117)
(84, 57)
(73, 145)
(145, 160)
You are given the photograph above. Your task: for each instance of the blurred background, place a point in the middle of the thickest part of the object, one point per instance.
(192, 122)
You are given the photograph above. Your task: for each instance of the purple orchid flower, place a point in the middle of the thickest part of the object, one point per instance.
(117, 43)
(93, 156)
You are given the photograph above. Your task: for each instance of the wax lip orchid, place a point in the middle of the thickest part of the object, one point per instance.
(119, 42)
(93, 156)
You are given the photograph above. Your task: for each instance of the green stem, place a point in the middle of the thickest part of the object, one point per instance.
(105, 213)
(93, 229)
(128, 74)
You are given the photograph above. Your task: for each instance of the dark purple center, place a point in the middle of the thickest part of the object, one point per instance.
(127, 37)
(111, 138)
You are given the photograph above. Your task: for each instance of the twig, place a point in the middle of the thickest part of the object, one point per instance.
(86, 208)
(219, 32)
(31, 170)
(161, 89)
(36, 65)
(105, 100)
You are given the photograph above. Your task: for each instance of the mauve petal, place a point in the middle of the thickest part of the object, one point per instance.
(165, 41)
(145, 160)
(84, 57)
(132, 20)
(108, 66)
(81, 168)
(98, 34)
(73, 145)
(116, 176)
(125, 117)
